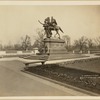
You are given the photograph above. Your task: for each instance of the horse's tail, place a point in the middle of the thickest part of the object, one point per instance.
(40, 22)
(61, 30)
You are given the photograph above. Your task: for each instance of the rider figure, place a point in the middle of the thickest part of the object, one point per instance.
(53, 22)
(50, 25)
(46, 26)
(47, 22)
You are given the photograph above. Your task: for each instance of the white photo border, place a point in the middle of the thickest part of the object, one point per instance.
(49, 3)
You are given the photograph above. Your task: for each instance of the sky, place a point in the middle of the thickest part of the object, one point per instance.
(16, 21)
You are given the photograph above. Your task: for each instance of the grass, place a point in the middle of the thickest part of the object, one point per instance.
(92, 64)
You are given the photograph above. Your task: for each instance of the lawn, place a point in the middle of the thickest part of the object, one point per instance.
(92, 64)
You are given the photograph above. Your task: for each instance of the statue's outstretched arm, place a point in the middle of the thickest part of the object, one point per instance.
(40, 22)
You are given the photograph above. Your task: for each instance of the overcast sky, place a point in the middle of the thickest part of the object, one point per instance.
(76, 21)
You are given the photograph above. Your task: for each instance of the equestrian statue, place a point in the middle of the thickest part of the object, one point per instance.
(49, 26)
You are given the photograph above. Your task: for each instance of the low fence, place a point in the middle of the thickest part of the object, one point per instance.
(95, 51)
(88, 52)
(15, 53)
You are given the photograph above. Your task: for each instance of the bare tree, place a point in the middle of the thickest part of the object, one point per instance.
(9, 46)
(39, 40)
(26, 43)
(17, 46)
(97, 42)
(1, 46)
(90, 43)
(81, 43)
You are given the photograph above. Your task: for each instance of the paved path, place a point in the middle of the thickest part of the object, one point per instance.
(72, 59)
(51, 61)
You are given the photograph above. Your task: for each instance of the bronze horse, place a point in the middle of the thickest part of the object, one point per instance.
(49, 28)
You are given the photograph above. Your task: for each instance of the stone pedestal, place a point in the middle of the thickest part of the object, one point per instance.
(55, 48)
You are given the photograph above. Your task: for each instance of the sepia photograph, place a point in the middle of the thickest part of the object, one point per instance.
(49, 50)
